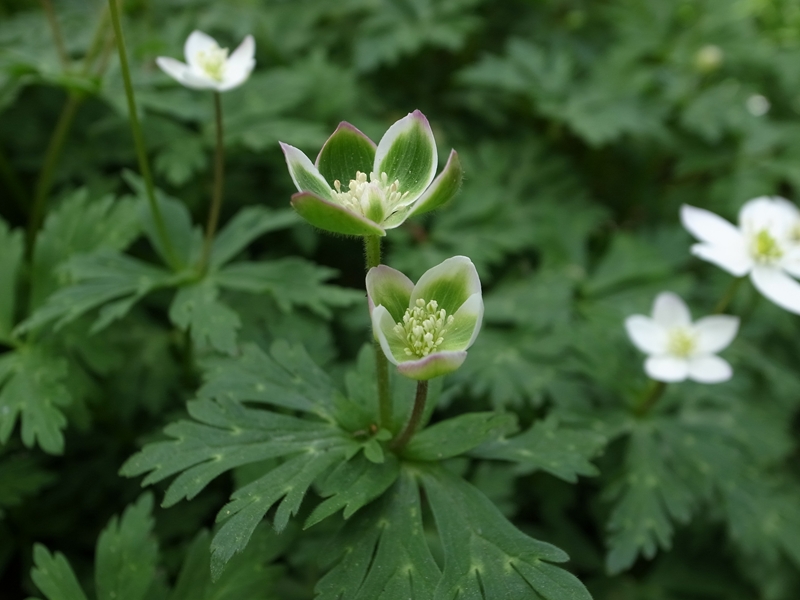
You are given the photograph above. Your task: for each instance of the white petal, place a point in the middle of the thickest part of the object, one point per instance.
(666, 368)
(791, 261)
(709, 227)
(670, 311)
(239, 65)
(382, 325)
(184, 74)
(777, 286)
(733, 259)
(647, 335)
(197, 42)
(775, 214)
(715, 333)
(709, 369)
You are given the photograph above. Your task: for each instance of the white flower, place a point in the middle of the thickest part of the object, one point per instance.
(208, 66)
(678, 348)
(765, 245)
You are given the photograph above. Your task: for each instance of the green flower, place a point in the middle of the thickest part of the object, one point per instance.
(356, 188)
(426, 329)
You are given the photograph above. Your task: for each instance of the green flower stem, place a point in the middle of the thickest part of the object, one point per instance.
(728, 296)
(55, 29)
(372, 247)
(219, 177)
(138, 138)
(45, 181)
(416, 416)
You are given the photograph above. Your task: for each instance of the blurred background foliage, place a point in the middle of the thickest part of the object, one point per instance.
(583, 125)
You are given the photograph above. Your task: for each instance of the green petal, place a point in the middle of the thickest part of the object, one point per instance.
(466, 324)
(450, 283)
(332, 217)
(433, 365)
(305, 175)
(407, 153)
(443, 188)
(389, 288)
(393, 345)
(346, 151)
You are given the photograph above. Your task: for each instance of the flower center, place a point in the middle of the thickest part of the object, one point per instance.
(765, 248)
(375, 199)
(212, 61)
(682, 343)
(423, 327)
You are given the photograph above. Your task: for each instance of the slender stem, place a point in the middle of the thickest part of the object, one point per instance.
(100, 41)
(416, 416)
(138, 138)
(13, 182)
(372, 247)
(728, 296)
(56, 31)
(654, 392)
(45, 181)
(219, 178)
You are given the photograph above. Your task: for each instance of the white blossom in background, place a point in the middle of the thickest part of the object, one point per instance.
(765, 245)
(757, 105)
(210, 67)
(679, 349)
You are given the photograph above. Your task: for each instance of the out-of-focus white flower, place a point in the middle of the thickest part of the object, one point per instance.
(765, 245)
(757, 105)
(708, 58)
(679, 349)
(210, 67)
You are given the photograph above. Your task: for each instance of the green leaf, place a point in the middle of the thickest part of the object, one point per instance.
(21, 476)
(345, 152)
(384, 553)
(125, 561)
(485, 556)
(181, 158)
(10, 259)
(352, 485)
(291, 281)
(560, 451)
(459, 435)
(248, 224)
(32, 386)
(196, 308)
(53, 575)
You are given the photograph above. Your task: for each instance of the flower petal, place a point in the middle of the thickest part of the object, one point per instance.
(433, 365)
(647, 335)
(389, 288)
(346, 151)
(407, 153)
(183, 74)
(466, 325)
(332, 217)
(443, 188)
(715, 333)
(709, 227)
(666, 368)
(196, 43)
(450, 283)
(392, 344)
(669, 311)
(777, 286)
(790, 262)
(709, 369)
(305, 175)
(773, 213)
(733, 259)
(239, 65)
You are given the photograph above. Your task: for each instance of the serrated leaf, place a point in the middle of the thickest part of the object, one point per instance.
(352, 485)
(32, 387)
(485, 556)
(53, 575)
(181, 158)
(384, 553)
(459, 435)
(546, 446)
(10, 259)
(125, 560)
(20, 476)
(248, 224)
(291, 281)
(197, 309)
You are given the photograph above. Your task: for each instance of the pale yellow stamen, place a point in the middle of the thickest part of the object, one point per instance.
(212, 61)
(765, 248)
(423, 328)
(375, 199)
(682, 343)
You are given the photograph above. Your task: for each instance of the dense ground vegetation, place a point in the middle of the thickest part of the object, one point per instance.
(582, 127)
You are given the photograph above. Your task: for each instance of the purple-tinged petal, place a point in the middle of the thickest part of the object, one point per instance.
(345, 152)
(443, 188)
(332, 217)
(450, 283)
(389, 288)
(304, 174)
(433, 365)
(407, 153)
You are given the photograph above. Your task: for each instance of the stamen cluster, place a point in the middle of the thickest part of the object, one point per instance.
(212, 61)
(682, 343)
(423, 327)
(765, 248)
(370, 197)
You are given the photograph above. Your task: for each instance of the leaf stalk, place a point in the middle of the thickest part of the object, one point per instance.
(219, 178)
(414, 420)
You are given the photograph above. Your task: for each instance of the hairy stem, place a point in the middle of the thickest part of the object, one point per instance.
(219, 177)
(55, 29)
(372, 247)
(138, 138)
(416, 416)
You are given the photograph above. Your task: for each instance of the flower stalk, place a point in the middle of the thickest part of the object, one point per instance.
(58, 38)
(372, 249)
(728, 296)
(219, 178)
(417, 411)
